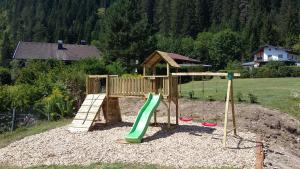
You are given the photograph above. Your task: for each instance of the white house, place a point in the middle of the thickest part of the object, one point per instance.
(268, 53)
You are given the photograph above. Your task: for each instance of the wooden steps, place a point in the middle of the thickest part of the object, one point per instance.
(87, 113)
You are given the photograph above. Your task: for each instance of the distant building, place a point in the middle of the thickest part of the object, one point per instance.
(59, 51)
(268, 53)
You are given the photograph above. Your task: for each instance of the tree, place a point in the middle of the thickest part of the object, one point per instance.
(225, 46)
(6, 51)
(201, 47)
(126, 33)
(288, 22)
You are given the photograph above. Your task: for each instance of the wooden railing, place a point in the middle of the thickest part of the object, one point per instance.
(129, 86)
(116, 86)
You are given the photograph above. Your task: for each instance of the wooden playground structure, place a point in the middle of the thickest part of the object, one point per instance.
(113, 87)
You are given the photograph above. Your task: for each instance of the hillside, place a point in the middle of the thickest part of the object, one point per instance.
(152, 24)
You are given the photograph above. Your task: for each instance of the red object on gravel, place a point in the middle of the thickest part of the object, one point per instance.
(207, 124)
(185, 119)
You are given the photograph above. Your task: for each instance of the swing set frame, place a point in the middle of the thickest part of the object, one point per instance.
(229, 97)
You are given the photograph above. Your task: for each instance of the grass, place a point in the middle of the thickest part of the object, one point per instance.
(106, 166)
(19, 133)
(276, 93)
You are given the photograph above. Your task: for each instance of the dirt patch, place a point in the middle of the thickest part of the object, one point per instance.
(280, 131)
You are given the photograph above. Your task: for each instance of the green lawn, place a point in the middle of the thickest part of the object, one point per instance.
(9, 137)
(276, 93)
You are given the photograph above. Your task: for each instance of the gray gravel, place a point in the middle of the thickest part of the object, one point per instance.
(184, 146)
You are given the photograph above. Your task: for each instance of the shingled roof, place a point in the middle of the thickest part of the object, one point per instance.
(40, 50)
(172, 59)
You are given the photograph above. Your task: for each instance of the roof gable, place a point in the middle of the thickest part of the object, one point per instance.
(157, 56)
(170, 58)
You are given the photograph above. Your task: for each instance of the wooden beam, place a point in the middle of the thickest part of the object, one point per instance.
(259, 153)
(203, 74)
(226, 112)
(232, 108)
(101, 76)
(168, 69)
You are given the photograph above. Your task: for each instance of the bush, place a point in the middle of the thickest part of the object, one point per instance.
(5, 77)
(57, 105)
(252, 98)
(240, 97)
(271, 71)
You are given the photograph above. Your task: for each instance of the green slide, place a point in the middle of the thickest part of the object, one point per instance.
(142, 121)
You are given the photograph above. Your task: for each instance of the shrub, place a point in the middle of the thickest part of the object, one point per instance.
(57, 105)
(252, 98)
(211, 98)
(5, 77)
(115, 68)
(191, 94)
(240, 97)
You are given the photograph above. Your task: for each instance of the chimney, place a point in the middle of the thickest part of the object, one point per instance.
(60, 45)
(83, 42)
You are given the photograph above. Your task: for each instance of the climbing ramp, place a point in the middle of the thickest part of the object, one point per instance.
(87, 113)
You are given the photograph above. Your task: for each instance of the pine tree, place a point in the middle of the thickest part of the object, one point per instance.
(126, 33)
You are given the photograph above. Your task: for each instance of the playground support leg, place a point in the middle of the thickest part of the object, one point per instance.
(232, 108)
(176, 110)
(169, 113)
(226, 112)
(155, 120)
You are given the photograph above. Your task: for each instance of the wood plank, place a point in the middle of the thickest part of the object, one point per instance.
(259, 153)
(83, 116)
(203, 74)
(226, 113)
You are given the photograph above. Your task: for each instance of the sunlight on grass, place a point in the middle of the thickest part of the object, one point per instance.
(276, 93)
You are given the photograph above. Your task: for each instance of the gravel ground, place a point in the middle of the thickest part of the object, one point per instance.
(183, 146)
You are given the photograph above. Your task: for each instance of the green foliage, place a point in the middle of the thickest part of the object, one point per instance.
(5, 77)
(225, 46)
(115, 68)
(126, 33)
(252, 98)
(57, 104)
(271, 70)
(234, 66)
(240, 97)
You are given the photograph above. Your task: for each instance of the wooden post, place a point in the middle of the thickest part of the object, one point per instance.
(87, 85)
(169, 97)
(168, 69)
(226, 110)
(177, 110)
(13, 119)
(107, 94)
(232, 108)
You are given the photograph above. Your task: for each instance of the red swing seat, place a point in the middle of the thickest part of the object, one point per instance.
(207, 124)
(185, 118)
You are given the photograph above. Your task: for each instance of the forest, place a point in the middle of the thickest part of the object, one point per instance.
(213, 31)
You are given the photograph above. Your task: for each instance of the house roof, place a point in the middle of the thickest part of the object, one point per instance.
(41, 50)
(278, 47)
(170, 58)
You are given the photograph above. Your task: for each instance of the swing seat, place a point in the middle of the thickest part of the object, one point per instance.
(207, 124)
(185, 119)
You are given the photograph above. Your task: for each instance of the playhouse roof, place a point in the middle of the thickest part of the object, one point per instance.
(170, 58)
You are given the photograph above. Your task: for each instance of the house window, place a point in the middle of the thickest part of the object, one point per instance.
(280, 56)
(269, 57)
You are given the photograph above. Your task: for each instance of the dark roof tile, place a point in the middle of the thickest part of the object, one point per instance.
(40, 50)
